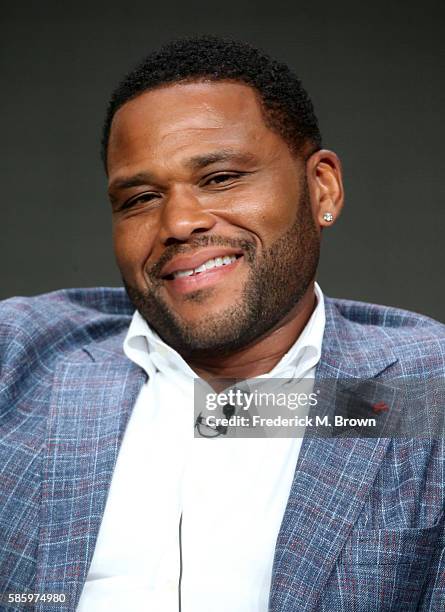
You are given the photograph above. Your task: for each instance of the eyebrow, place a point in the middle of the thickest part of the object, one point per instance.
(141, 178)
(197, 162)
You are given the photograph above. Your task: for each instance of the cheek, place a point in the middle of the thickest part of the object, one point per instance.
(270, 211)
(132, 246)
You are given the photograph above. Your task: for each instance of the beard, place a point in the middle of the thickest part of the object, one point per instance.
(277, 281)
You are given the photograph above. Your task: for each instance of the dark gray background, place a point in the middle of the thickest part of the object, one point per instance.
(375, 74)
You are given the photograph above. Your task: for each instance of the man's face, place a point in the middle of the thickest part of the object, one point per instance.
(212, 224)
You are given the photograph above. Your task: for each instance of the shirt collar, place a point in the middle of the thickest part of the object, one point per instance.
(143, 346)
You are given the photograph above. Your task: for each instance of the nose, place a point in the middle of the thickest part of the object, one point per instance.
(182, 215)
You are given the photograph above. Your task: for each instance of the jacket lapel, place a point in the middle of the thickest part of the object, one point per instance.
(332, 479)
(93, 396)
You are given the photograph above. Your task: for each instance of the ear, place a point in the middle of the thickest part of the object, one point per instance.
(325, 183)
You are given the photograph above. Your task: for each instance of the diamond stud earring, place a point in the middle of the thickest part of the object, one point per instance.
(328, 216)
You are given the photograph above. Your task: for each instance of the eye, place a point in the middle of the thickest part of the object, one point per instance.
(141, 198)
(222, 178)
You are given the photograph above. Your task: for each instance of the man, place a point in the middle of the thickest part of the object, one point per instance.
(220, 191)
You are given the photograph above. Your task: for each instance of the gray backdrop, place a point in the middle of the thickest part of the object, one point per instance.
(375, 74)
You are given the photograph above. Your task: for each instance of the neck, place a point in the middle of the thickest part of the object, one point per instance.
(262, 355)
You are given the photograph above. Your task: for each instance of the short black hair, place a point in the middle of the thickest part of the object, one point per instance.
(286, 106)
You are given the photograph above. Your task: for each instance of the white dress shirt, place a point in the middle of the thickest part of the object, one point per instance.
(231, 494)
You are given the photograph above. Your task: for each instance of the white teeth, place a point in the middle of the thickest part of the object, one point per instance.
(207, 265)
(183, 273)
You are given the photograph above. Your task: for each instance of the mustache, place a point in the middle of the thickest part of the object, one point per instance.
(248, 247)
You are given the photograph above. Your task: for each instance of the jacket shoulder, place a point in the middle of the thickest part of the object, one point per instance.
(414, 338)
(65, 316)
(36, 331)
(378, 315)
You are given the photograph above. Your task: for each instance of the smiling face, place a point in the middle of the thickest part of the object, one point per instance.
(213, 228)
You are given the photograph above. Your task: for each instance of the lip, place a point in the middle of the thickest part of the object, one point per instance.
(194, 260)
(186, 284)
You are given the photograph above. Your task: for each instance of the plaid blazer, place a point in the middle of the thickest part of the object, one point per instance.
(363, 529)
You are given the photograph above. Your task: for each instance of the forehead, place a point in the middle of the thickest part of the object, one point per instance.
(175, 119)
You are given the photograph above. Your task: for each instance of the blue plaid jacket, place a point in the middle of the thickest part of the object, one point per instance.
(364, 525)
